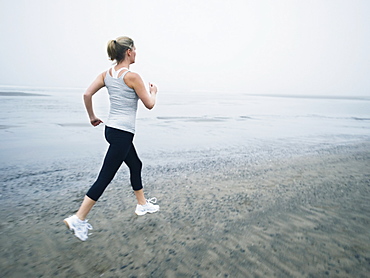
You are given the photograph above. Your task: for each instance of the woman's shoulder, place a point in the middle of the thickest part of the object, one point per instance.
(132, 76)
(102, 75)
(133, 79)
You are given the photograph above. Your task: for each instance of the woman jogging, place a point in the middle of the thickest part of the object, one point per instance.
(125, 88)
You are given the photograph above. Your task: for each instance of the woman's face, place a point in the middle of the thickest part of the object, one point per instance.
(132, 53)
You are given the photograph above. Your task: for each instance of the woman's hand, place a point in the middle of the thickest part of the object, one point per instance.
(153, 88)
(95, 121)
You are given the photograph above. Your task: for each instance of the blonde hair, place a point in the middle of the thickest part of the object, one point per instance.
(117, 48)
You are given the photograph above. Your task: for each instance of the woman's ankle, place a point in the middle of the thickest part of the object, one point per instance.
(82, 218)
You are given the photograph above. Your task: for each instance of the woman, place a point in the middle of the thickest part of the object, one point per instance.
(124, 88)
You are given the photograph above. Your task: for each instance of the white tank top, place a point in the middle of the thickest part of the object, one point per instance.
(123, 102)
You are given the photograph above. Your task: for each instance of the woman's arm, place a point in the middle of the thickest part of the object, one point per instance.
(134, 81)
(93, 88)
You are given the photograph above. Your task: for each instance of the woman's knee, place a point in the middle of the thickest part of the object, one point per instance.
(139, 165)
(134, 163)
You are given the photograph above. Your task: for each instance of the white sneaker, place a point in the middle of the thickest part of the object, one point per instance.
(79, 227)
(148, 207)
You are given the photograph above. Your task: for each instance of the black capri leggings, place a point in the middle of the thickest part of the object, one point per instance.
(121, 149)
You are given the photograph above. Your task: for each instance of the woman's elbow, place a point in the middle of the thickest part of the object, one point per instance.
(86, 95)
(150, 106)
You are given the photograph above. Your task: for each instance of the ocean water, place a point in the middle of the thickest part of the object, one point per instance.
(51, 124)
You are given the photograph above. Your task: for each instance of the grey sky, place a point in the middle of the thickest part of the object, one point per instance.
(277, 46)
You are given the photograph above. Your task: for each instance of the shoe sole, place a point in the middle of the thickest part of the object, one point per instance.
(65, 222)
(145, 212)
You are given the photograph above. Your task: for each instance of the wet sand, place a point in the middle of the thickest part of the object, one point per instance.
(303, 215)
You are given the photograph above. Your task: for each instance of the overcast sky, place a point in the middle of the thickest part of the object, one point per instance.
(278, 46)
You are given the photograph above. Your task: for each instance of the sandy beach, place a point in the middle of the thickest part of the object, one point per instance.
(302, 215)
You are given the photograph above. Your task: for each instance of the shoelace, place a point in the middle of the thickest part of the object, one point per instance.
(84, 227)
(152, 200)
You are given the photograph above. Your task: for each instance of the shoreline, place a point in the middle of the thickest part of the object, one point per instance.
(305, 214)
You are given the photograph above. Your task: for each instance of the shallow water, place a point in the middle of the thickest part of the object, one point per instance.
(53, 124)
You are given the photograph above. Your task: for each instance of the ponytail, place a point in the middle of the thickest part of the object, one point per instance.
(117, 48)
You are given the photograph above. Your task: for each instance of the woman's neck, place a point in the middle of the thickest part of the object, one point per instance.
(123, 64)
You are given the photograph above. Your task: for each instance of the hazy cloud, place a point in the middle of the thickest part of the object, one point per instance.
(285, 46)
